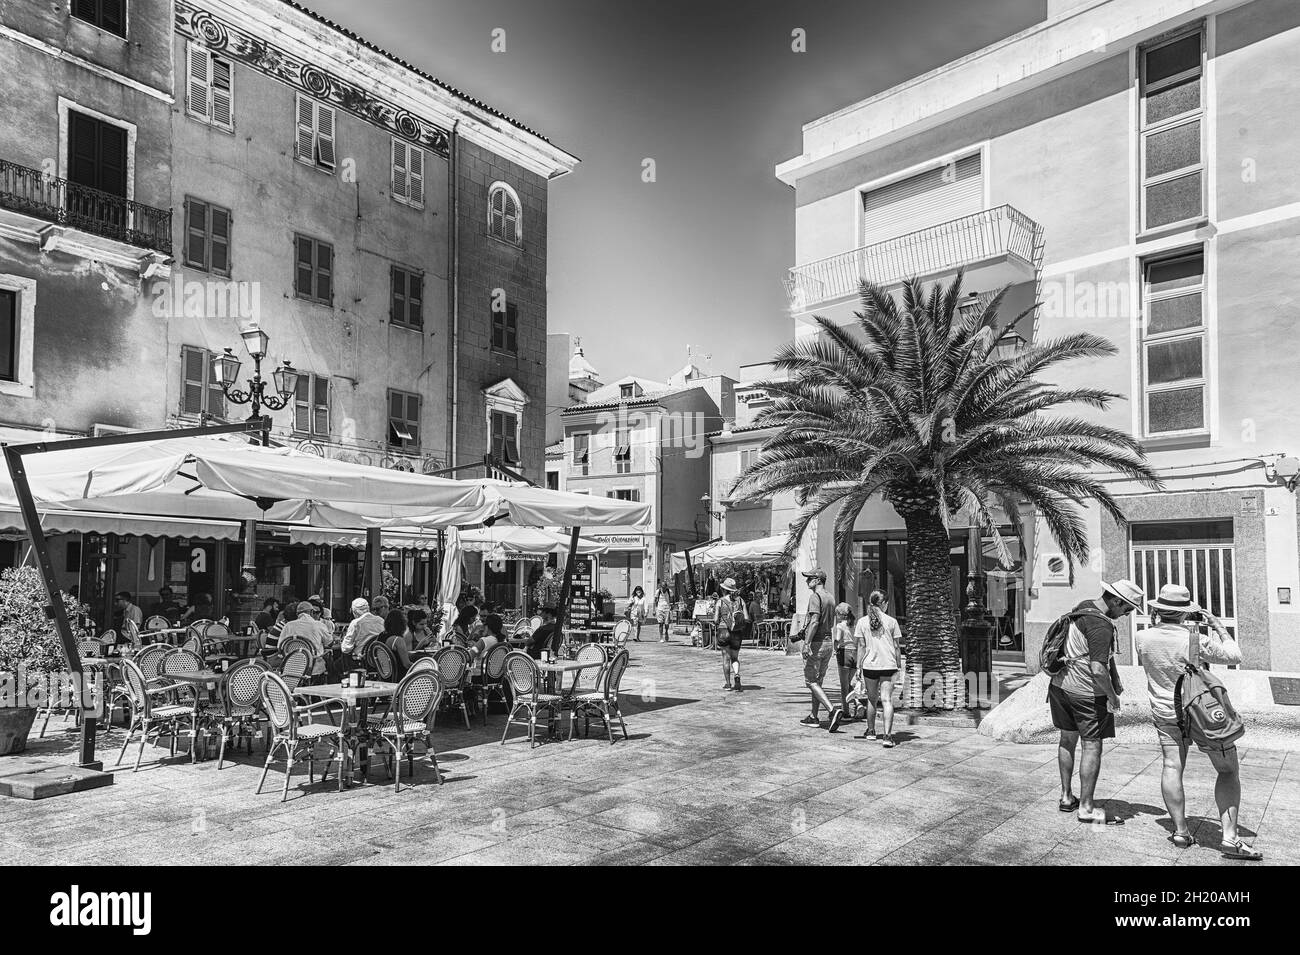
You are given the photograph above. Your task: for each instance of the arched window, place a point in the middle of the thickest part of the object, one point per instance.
(505, 220)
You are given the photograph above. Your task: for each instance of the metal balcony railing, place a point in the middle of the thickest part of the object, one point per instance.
(32, 193)
(1000, 232)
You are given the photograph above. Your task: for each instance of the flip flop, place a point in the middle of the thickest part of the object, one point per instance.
(1103, 820)
(1070, 806)
(1239, 850)
(1183, 840)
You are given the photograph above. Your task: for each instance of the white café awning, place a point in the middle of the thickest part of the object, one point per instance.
(762, 551)
(82, 522)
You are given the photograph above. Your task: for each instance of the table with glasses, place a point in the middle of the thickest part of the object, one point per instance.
(172, 635)
(356, 711)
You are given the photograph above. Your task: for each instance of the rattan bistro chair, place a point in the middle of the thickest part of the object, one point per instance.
(181, 660)
(604, 700)
(593, 653)
(157, 622)
(147, 715)
(293, 668)
(294, 736)
(424, 663)
(149, 658)
(409, 717)
(240, 709)
(494, 677)
(381, 662)
(524, 677)
(453, 667)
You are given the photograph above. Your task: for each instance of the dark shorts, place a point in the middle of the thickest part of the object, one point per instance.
(1090, 717)
(879, 674)
(846, 658)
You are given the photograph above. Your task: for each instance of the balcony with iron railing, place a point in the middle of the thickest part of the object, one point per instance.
(1000, 244)
(33, 193)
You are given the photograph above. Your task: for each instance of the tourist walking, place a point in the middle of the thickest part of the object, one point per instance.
(664, 611)
(729, 611)
(636, 611)
(1084, 693)
(1165, 649)
(818, 648)
(846, 658)
(877, 637)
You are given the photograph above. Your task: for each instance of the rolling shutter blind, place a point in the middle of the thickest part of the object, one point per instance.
(920, 201)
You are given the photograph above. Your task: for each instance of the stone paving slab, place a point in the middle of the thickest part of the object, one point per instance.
(707, 776)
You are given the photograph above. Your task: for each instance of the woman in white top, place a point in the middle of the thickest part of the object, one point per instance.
(877, 636)
(636, 611)
(1164, 649)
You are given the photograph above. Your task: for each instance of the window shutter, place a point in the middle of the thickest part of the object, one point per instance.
(219, 258)
(401, 181)
(112, 159)
(193, 363)
(495, 213)
(416, 167)
(222, 93)
(196, 90)
(413, 419)
(325, 135)
(415, 300)
(321, 406)
(304, 257)
(196, 231)
(114, 16)
(324, 271)
(510, 223)
(84, 10)
(304, 143)
(510, 424)
(302, 404)
(216, 396)
(397, 308)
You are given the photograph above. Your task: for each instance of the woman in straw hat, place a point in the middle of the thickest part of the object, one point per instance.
(728, 616)
(1165, 648)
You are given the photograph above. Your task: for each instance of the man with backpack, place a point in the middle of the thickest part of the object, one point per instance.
(1188, 705)
(1079, 652)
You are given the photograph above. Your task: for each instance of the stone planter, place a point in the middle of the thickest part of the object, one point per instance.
(15, 724)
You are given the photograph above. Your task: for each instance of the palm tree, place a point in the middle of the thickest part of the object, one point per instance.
(917, 408)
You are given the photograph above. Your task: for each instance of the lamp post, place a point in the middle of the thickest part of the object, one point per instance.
(1009, 345)
(286, 386)
(285, 378)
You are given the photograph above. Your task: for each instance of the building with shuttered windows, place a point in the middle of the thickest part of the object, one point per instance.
(174, 172)
(1127, 164)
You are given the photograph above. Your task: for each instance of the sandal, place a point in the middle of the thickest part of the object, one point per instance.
(1239, 850)
(1183, 840)
(889, 741)
(1070, 806)
(1102, 820)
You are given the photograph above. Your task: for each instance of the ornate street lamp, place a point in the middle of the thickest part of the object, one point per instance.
(285, 377)
(1009, 345)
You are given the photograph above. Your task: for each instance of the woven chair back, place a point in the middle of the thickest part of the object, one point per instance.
(494, 664)
(381, 660)
(277, 700)
(522, 672)
(453, 663)
(417, 696)
(242, 683)
(149, 658)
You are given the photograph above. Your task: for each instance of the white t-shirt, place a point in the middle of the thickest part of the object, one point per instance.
(1164, 650)
(878, 649)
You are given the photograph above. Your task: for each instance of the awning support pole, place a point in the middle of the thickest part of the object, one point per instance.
(563, 609)
(374, 544)
(40, 546)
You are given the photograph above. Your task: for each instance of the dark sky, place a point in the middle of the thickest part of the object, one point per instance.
(715, 95)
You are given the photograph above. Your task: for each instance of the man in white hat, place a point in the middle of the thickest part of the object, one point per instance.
(1174, 640)
(365, 626)
(1084, 694)
(726, 639)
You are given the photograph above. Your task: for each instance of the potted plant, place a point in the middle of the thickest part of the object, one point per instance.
(30, 651)
(605, 603)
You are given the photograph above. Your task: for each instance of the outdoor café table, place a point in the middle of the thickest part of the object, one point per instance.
(556, 670)
(170, 634)
(201, 680)
(356, 702)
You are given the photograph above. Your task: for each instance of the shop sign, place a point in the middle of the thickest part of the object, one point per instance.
(618, 540)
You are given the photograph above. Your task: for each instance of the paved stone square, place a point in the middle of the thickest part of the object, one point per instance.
(707, 777)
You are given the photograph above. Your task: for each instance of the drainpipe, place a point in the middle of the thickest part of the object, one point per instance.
(453, 247)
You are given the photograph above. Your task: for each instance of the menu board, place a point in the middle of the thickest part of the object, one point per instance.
(581, 608)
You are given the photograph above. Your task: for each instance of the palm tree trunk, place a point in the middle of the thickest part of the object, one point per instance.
(934, 678)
